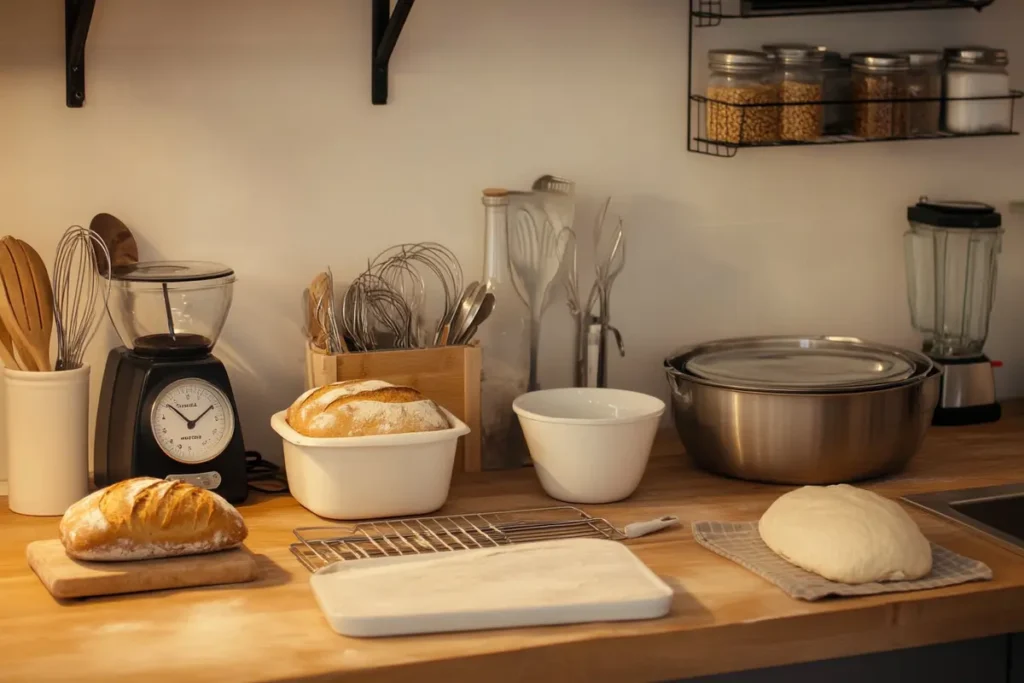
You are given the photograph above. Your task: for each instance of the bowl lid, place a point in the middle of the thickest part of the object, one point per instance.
(171, 271)
(800, 364)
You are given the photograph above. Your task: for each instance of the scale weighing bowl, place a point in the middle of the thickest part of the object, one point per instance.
(167, 308)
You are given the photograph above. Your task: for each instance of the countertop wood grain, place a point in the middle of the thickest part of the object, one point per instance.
(723, 617)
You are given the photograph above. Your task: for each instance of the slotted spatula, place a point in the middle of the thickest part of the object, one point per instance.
(26, 309)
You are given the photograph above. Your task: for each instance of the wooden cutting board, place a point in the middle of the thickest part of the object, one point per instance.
(68, 578)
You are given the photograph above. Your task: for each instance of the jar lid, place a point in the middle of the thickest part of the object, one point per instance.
(738, 60)
(171, 271)
(833, 59)
(977, 55)
(794, 53)
(922, 57)
(879, 62)
(954, 214)
(806, 365)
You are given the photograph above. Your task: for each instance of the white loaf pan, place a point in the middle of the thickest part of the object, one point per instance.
(363, 477)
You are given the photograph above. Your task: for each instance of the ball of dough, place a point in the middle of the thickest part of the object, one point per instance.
(846, 534)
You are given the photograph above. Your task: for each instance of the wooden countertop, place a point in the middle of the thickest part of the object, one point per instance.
(723, 617)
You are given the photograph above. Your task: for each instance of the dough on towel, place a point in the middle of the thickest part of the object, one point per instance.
(846, 534)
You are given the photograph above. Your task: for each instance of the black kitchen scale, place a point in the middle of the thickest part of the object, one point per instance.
(166, 408)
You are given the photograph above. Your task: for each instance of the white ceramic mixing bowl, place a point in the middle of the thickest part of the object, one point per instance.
(589, 445)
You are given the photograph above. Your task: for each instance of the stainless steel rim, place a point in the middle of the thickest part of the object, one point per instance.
(675, 364)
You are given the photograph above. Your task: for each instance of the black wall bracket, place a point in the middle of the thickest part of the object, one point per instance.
(387, 26)
(77, 17)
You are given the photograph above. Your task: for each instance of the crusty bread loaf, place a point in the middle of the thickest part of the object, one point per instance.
(146, 518)
(364, 408)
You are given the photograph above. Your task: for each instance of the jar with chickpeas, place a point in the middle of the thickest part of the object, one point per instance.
(800, 77)
(742, 97)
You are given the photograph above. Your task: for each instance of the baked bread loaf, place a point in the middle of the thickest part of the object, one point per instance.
(146, 518)
(364, 408)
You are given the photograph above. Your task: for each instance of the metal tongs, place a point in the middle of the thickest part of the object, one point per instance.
(590, 366)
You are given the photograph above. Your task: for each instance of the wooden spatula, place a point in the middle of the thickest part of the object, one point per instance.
(27, 307)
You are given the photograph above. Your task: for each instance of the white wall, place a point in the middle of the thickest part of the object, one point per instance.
(242, 131)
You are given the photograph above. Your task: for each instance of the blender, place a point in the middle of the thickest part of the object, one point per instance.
(166, 407)
(951, 252)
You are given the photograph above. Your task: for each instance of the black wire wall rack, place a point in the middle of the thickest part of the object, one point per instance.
(706, 134)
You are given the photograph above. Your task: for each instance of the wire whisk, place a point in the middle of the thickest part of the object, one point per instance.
(78, 287)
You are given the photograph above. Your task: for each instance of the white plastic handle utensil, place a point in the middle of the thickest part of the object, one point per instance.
(638, 529)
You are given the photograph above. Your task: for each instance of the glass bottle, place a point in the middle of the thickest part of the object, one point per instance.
(924, 81)
(504, 341)
(838, 92)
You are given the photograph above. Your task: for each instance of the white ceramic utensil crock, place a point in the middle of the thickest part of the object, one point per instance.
(47, 437)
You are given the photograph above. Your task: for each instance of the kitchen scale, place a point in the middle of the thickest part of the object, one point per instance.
(166, 408)
(952, 251)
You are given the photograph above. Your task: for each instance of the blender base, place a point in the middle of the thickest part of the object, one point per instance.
(970, 415)
(968, 393)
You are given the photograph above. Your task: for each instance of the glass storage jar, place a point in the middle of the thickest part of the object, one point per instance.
(837, 89)
(924, 81)
(798, 70)
(977, 72)
(742, 93)
(879, 76)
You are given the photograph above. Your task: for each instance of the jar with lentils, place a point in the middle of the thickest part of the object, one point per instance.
(799, 72)
(743, 94)
(924, 81)
(879, 76)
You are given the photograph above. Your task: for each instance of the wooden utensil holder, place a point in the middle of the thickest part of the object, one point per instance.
(448, 375)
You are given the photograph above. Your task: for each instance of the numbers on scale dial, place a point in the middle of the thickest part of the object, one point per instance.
(195, 421)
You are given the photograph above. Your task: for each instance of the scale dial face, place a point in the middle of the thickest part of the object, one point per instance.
(192, 421)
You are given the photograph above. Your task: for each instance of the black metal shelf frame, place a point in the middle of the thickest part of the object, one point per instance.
(386, 27)
(77, 19)
(709, 13)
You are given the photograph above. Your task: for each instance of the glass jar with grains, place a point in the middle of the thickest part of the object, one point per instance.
(745, 78)
(879, 76)
(838, 90)
(977, 72)
(798, 70)
(924, 80)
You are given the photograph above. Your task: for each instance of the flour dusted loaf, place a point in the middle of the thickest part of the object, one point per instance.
(364, 408)
(146, 518)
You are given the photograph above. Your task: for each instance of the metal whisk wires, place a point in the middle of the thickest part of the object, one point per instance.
(77, 289)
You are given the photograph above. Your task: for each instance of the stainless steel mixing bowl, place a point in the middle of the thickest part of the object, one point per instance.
(801, 438)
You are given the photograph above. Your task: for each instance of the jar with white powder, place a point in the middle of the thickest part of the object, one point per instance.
(977, 72)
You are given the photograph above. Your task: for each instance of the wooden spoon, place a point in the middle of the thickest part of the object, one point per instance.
(27, 307)
(7, 350)
(124, 251)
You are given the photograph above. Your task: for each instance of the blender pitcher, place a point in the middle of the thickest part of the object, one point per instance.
(951, 253)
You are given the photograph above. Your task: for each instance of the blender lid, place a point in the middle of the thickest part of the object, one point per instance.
(954, 214)
(171, 271)
(800, 364)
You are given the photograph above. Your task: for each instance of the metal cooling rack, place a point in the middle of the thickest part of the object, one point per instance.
(323, 545)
